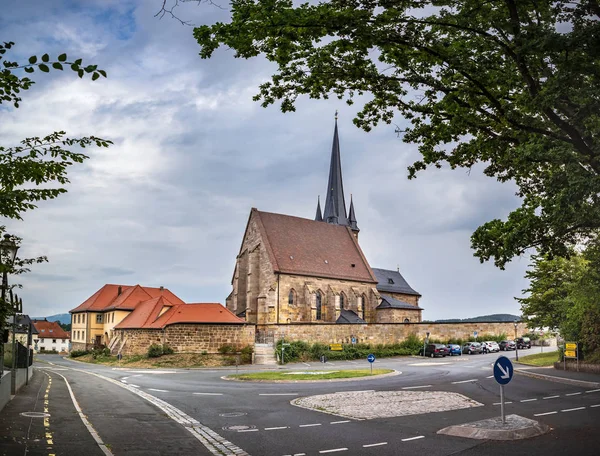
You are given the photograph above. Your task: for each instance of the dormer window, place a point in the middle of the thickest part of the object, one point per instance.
(391, 281)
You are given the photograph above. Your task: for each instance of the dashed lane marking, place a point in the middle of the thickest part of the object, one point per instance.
(340, 422)
(498, 403)
(413, 438)
(572, 394)
(551, 397)
(159, 390)
(133, 386)
(490, 376)
(362, 391)
(593, 391)
(573, 409)
(465, 381)
(415, 387)
(543, 414)
(310, 425)
(248, 430)
(276, 428)
(278, 394)
(208, 394)
(528, 400)
(595, 405)
(374, 444)
(334, 450)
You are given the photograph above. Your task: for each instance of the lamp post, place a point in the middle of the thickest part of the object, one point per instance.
(8, 254)
(516, 342)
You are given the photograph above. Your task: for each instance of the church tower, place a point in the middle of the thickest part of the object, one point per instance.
(335, 204)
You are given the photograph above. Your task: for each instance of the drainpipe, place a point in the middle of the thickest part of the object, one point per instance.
(278, 298)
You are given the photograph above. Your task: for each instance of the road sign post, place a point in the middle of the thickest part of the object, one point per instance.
(503, 373)
(571, 351)
(425, 342)
(371, 359)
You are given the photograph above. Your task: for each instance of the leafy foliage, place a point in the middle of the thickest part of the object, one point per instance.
(78, 353)
(511, 84)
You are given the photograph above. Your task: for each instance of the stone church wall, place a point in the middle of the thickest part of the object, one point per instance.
(187, 338)
(377, 333)
(398, 315)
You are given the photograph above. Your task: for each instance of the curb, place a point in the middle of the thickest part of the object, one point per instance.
(325, 380)
(552, 378)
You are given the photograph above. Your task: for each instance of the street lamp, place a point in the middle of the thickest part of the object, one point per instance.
(516, 342)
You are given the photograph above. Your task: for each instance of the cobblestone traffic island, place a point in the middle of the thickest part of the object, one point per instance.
(367, 405)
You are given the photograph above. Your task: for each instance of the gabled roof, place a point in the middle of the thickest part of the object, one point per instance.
(108, 298)
(147, 315)
(305, 247)
(393, 282)
(50, 330)
(348, 316)
(23, 321)
(388, 302)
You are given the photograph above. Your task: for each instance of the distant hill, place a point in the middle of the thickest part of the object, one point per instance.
(493, 317)
(65, 319)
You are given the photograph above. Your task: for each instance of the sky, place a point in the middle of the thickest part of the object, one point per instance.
(168, 203)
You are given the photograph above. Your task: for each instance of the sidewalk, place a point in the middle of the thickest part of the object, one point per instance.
(555, 375)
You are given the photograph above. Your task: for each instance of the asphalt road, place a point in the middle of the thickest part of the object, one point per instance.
(258, 418)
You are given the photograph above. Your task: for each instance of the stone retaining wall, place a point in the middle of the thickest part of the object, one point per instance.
(187, 338)
(387, 333)
(583, 367)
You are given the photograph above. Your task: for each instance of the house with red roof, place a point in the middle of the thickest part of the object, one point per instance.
(128, 319)
(50, 336)
(292, 270)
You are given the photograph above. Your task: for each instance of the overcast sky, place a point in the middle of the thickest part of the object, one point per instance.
(168, 203)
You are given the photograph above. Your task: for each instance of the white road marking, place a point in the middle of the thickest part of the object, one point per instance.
(340, 422)
(309, 425)
(363, 391)
(275, 428)
(593, 391)
(572, 394)
(415, 387)
(160, 391)
(374, 444)
(306, 364)
(123, 381)
(135, 386)
(414, 438)
(551, 397)
(547, 413)
(573, 409)
(528, 400)
(151, 372)
(86, 423)
(465, 381)
(596, 405)
(333, 451)
(278, 394)
(124, 378)
(498, 403)
(352, 362)
(248, 430)
(491, 376)
(208, 394)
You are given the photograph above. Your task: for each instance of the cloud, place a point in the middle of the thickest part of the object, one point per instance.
(168, 203)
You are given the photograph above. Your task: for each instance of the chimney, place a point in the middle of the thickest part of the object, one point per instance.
(119, 290)
(162, 288)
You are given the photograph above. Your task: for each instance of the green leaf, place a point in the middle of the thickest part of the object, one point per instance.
(43, 67)
(74, 67)
(78, 61)
(45, 58)
(29, 70)
(57, 66)
(102, 72)
(95, 76)
(62, 58)
(32, 59)
(80, 73)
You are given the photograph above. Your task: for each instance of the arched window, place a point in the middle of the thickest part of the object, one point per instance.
(406, 320)
(342, 300)
(362, 305)
(291, 297)
(318, 316)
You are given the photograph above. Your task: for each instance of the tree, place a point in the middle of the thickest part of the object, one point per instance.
(511, 84)
(37, 168)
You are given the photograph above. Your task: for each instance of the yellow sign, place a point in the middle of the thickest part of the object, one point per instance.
(570, 354)
(335, 347)
(571, 346)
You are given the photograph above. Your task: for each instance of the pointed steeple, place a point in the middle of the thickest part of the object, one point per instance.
(352, 217)
(319, 216)
(335, 205)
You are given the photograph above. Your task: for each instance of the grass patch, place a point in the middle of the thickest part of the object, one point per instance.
(540, 359)
(310, 375)
(181, 360)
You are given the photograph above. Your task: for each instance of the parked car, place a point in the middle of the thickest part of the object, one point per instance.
(523, 342)
(434, 350)
(472, 348)
(454, 349)
(490, 346)
(507, 345)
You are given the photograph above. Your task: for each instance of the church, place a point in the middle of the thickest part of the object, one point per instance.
(294, 270)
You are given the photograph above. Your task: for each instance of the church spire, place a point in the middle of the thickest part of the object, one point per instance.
(352, 217)
(335, 205)
(319, 216)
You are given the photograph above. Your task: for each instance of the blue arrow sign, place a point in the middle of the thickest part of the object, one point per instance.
(503, 370)
(371, 358)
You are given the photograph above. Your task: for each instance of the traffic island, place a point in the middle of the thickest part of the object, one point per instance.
(308, 376)
(515, 428)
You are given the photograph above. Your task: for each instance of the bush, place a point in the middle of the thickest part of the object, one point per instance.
(167, 350)
(78, 353)
(246, 357)
(155, 351)
(227, 349)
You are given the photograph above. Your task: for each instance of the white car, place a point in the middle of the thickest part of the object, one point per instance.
(491, 346)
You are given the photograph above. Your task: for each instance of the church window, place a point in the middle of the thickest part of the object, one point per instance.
(291, 298)
(391, 281)
(341, 300)
(406, 320)
(318, 316)
(361, 306)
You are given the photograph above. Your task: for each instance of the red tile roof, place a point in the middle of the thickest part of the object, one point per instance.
(306, 247)
(50, 330)
(146, 315)
(108, 298)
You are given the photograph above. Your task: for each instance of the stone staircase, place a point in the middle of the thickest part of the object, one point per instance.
(264, 354)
